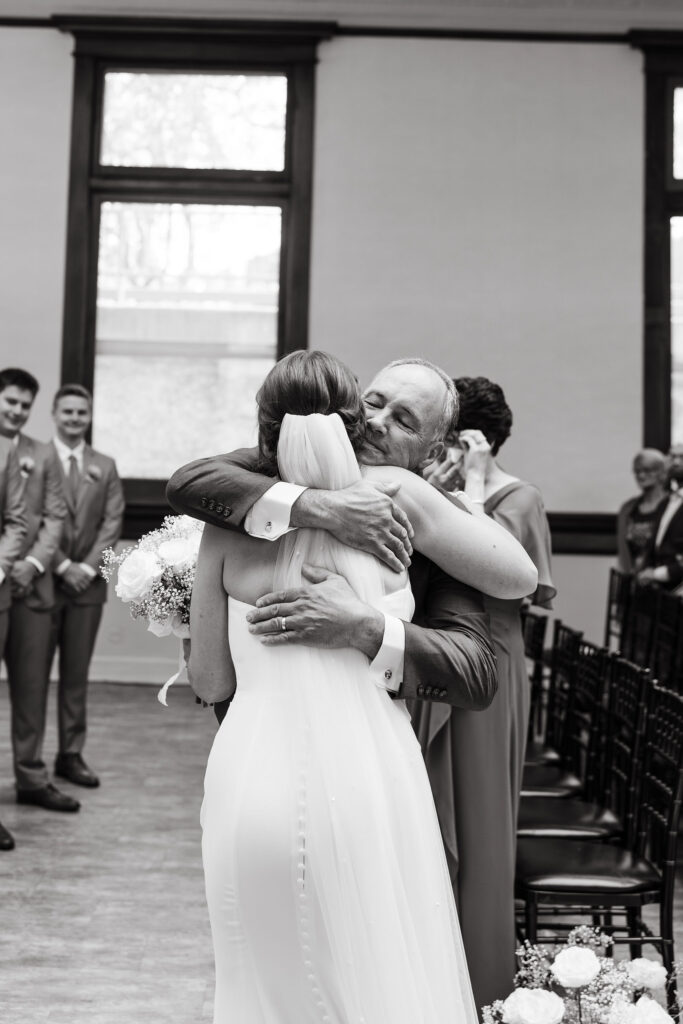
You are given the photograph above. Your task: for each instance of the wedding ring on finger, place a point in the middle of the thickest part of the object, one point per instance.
(283, 623)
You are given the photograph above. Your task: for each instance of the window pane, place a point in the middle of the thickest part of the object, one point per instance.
(678, 133)
(677, 330)
(187, 303)
(210, 122)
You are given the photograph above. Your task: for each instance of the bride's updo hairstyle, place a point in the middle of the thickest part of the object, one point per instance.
(301, 383)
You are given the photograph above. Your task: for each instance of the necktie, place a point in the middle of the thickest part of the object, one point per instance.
(74, 476)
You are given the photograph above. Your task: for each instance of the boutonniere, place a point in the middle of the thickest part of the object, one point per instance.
(26, 466)
(93, 474)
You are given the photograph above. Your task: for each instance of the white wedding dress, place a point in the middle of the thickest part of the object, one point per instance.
(326, 880)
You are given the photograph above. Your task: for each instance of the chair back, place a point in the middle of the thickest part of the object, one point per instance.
(533, 630)
(618, 774)
(662, 783)
(667, 654)
(618, 600)
(585, 725)
(637, 641)
(565, 653)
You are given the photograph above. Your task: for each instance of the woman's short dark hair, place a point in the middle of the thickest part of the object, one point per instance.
(302, 383)
(22, 379)
(483, 407)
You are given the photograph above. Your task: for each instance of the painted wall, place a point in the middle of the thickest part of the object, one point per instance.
(477, 203)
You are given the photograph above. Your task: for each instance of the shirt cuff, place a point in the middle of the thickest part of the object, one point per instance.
(63, 566)
(387, 665)
(3, 576)
(38, 565)
(268, 518)
(88, 569)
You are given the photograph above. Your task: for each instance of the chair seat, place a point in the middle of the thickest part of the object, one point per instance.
(538, 753)
(556, 866)
(548, 817)
(550, 780)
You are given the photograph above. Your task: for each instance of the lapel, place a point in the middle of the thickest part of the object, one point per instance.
(675, 502)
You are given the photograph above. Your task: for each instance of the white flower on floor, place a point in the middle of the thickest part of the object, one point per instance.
(575, 966)
(646, 973)
(533, 1006)
(645, 1011)
(137, 574)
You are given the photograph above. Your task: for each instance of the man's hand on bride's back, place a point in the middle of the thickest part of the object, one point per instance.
(323, 612)
(364, 516)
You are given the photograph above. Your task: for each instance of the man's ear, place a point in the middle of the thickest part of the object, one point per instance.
(433, 453)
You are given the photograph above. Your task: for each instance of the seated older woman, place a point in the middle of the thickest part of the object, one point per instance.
(639, 517)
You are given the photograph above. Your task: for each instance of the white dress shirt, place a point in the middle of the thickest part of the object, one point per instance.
(65, 453)
(268, 519)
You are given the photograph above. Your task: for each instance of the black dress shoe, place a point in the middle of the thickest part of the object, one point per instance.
(48, 797)
(74, 768)
(6, 838)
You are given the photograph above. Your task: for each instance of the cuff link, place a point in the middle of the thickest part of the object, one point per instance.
(268, 527)
(388, 674)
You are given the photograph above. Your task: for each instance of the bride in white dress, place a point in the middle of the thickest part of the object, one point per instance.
(326, 880)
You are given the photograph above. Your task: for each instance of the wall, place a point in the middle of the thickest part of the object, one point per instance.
(481, 204)
(478, 203)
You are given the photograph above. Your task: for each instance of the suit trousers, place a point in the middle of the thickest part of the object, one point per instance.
(27, 656)
(4, 628)
(74, 631)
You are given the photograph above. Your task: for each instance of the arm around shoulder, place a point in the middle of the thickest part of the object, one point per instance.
(472, 549)
(219, 490)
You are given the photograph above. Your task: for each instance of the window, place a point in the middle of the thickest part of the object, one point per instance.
(188, 237)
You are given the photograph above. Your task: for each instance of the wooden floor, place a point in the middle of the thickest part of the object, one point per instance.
(103, 913)
(103, 918)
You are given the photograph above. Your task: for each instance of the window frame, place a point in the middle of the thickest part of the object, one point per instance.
(184, 45)
(663, 68)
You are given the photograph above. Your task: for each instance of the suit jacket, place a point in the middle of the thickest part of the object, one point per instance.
(13, 521)
(666, 548)
(448, 653)
(45, 510)
(93, 520)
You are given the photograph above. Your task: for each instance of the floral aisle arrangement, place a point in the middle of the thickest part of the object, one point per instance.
(579, 984)
(155, 577)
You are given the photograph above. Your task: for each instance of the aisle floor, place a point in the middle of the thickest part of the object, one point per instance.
(103, 913)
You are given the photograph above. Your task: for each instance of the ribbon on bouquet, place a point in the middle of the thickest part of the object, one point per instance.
(182, 667)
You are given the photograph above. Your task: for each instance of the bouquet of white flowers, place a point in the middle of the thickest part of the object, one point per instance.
(155, 577)
(577, 985)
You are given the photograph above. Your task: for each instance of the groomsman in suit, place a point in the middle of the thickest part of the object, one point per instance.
(13, 526)
(95, 506)
(28, 643)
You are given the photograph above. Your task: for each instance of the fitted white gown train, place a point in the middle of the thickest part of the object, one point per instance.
(326, 880)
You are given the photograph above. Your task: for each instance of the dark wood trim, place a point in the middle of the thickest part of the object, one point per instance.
(492, 35)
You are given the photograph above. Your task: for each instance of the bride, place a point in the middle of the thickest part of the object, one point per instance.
(326, 880)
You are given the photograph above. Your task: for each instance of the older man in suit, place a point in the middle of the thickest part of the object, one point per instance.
(28, 643)
(95, 506)
(13, 526)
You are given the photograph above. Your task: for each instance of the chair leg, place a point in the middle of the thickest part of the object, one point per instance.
(666, 931)
(633, 920)
(531, 920)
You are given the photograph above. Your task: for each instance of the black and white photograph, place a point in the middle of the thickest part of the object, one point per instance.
(341, 511)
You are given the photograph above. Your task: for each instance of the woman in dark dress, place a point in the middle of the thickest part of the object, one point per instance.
(639, 517)
(475, 760)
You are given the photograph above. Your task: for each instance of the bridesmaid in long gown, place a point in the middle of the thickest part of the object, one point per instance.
(475, 759)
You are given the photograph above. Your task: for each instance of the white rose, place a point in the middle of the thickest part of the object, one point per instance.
(646, 973)
(533, 1006)
(648, 1011)
(137, 574)
(163, 628)
(181, 552)
(575, 966)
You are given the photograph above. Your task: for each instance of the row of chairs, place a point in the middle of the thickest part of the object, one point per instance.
(645, 624)
(601, 797)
